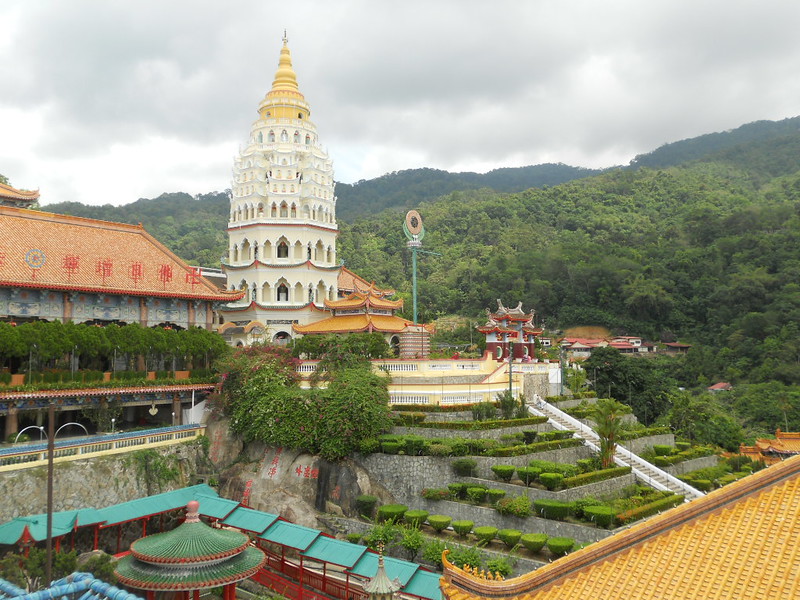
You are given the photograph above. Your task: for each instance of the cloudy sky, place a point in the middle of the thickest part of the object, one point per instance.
(109, 101)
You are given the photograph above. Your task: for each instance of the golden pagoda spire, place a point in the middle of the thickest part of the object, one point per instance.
(285, 77)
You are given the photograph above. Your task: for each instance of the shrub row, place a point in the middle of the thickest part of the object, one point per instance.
(481, 425)
(648, 509)
(594, 476)
(632, 434)
(433, 408)
(523, 449)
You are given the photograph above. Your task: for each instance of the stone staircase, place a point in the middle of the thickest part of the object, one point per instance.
(643, 470)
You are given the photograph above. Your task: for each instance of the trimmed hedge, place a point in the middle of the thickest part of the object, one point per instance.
(391, 512)
(457, 490)
(436, 494)
(633, 434)
(481, 425)
(602, 516)
(485, 534)
(434, 408)
(551, 480)
(704, 485)
(593, 476)
(533, 541)
(528, 474)
(560, 545)
(519, 506)
(548, 466)
(523, 449)
(439, 522)
(662, 449)
(553, 509)
(503, 472)
(353, 538)
(492, 495)
(510, 537)
(415, 518)
(462, 528)
(389, 447)
(465, 467)
(646, 510)
(365, 505)
(476, 494)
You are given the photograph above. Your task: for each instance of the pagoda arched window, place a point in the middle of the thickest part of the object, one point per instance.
(273, 211)
(296, 137)
(294, 209)
(283, 293)
(283, 250)
(284, 210)
(308, 139)
(271, 136)
(260, 138)
(284, 136)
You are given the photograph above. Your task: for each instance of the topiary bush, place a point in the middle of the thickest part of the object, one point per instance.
(476, 494)
(391, 447)
(519, 506)
(662, 449)
(553, 509)
(365, 505)
(528, 475)
(414, 445)
(465, 467)
(704, 485)
(602, 516)
(485, 534)
(547, 466)
(435, 494)
(661, 461)
(462, 528)
(560, 545)
(529, 436)
(439, 522)
(683, 445)
(533, 541)
(457, 490)
(510, 537)
(391, 512)
(492, 496)
(503, 472)
(415, 518)
(551, 481)
(438, 449)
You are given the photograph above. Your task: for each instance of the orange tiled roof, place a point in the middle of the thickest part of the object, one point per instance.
(738, 542)
(364, 299)
(13, 194)
(785, 442)
(350, 282)
(57, 252)
(355, 323)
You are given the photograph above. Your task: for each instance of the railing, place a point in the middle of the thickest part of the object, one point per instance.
(622, 457)
(34, 455)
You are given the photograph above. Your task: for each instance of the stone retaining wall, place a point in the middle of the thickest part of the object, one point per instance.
(406, 476)
(692, 465)
(472, 434)
(608, 487)
(639, 445)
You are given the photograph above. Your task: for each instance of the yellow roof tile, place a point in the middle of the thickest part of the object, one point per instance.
(737, 542)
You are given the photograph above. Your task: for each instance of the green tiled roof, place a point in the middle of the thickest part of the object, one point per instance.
(153, 505)
(249, 519)
(189, 542)
(334, 551)
(217, 508)
(367, 566)
(63, 523)
(425, 585)
(140, 575)
(291, 535)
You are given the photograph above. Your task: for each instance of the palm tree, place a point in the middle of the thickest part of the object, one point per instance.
(607, 413)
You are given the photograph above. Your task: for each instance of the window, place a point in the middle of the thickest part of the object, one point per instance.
(296, 137)
(283, 250)
(283, 293)
(284, 136)
(260, 138)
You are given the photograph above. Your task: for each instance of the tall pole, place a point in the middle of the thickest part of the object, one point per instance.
(414, 279)
(510, 366)
(51, 439)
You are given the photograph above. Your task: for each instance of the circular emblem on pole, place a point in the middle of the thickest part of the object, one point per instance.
(413, 222)
(35, 258)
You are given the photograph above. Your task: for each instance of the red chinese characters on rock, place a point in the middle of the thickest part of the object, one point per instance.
(246, 496)
(273, 469)
(306, 472)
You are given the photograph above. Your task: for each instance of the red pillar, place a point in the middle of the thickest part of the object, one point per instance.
(96, 537)
(151, 595)
(119, 537)
(196, 595)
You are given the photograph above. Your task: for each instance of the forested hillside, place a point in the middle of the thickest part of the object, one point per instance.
(708, 253)
(407, 189)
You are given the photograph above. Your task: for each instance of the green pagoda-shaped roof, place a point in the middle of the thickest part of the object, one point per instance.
(191, 556)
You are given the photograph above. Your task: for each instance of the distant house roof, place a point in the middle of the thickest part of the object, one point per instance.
(56, 252)
(720, 387)
(735, 542)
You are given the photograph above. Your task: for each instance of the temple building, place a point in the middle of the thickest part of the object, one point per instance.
(508, 326)
(282, 235)
(282, 228)
(62, 268)
(10, 196)
(771, 451)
